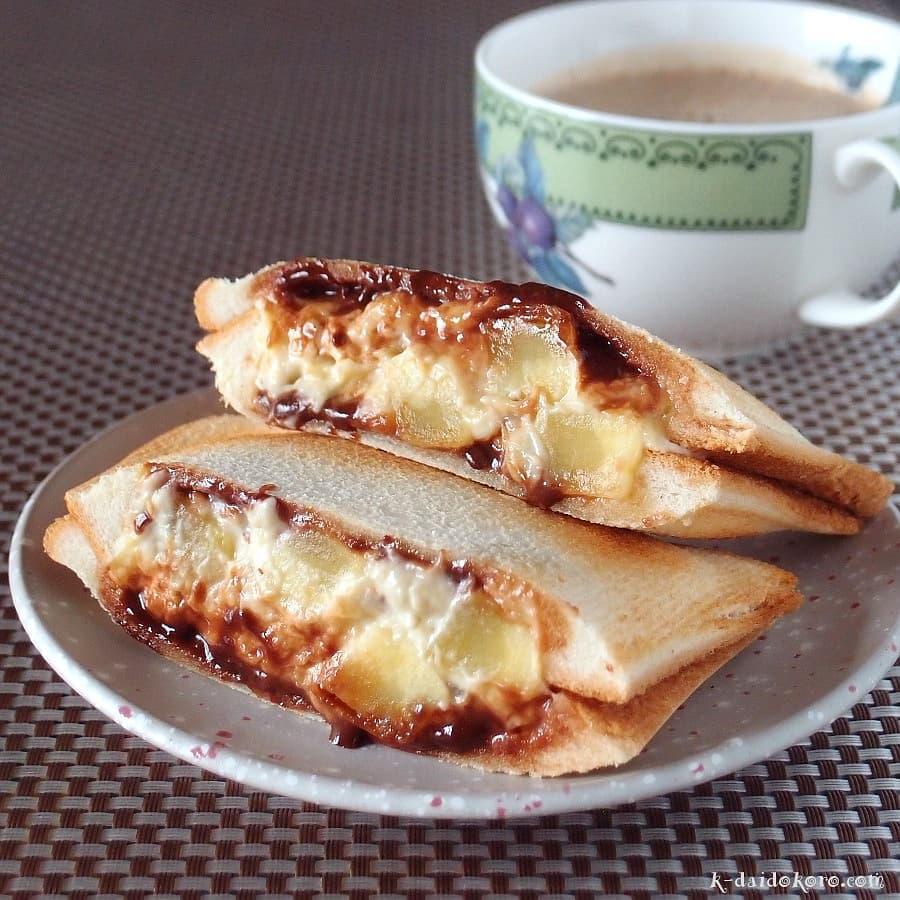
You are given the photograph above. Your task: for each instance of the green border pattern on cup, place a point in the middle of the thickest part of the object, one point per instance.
(651, 178)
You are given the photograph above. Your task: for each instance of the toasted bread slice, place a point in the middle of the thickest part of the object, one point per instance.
(701, 478)
(624, 627)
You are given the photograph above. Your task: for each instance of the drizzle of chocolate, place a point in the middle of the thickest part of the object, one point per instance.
(485, 456)
(293, 411)
(184, 631)
(345, 734)
(390, 546)
(317, 279)
(543, 493)
(462, 728)
(461, 568)
(314, 279)
(471, 727)
(599, 360)
(228, 493)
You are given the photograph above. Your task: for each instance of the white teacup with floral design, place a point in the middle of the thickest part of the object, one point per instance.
(719, 238)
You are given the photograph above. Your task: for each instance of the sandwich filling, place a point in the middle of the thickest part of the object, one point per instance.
(386, 644)
(510, 377)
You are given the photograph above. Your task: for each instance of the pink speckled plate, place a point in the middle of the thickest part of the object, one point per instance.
(807, 670)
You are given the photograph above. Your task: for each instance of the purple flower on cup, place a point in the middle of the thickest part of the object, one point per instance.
(539, 234)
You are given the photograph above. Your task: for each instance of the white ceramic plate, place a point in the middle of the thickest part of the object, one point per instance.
(808, 669)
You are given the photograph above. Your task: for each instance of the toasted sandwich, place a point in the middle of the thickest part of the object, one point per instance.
(526, 389)
(404, 605)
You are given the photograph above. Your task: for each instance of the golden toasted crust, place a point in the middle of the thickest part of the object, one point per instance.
(579, 734)
(66, 543)
(708, 414)
(606, 734)
(195, 434)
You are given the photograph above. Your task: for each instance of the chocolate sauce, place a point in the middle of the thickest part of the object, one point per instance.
(542, 493)
(599, 359)
(293, 411)
(347, 735)
(485, 456)
(185, 631)
(302, 518)
(354, 285)
(314, 279)
(230, 494)
(461, 729)
(459, 569)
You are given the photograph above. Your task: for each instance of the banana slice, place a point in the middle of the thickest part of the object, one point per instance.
(478, 645)
(312, 570)
(380, 675)
(531, 360)
(595, 453)
(425, 394)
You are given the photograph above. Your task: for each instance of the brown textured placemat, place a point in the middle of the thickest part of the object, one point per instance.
(144, 146)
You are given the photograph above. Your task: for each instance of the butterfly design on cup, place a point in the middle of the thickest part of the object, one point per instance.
(853, 71)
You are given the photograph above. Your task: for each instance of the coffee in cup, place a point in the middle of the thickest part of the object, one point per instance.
(706, 83)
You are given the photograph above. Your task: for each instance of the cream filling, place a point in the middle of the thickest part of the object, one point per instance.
(530, 393)
(407, 632)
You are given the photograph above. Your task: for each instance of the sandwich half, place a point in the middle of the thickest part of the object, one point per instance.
(524, 388)
(403, 605)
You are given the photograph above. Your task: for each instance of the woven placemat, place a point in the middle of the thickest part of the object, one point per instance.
(144, 146)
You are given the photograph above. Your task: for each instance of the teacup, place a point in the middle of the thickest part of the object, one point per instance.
(718, 238)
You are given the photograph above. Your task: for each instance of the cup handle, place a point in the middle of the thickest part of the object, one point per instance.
(843, 308)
